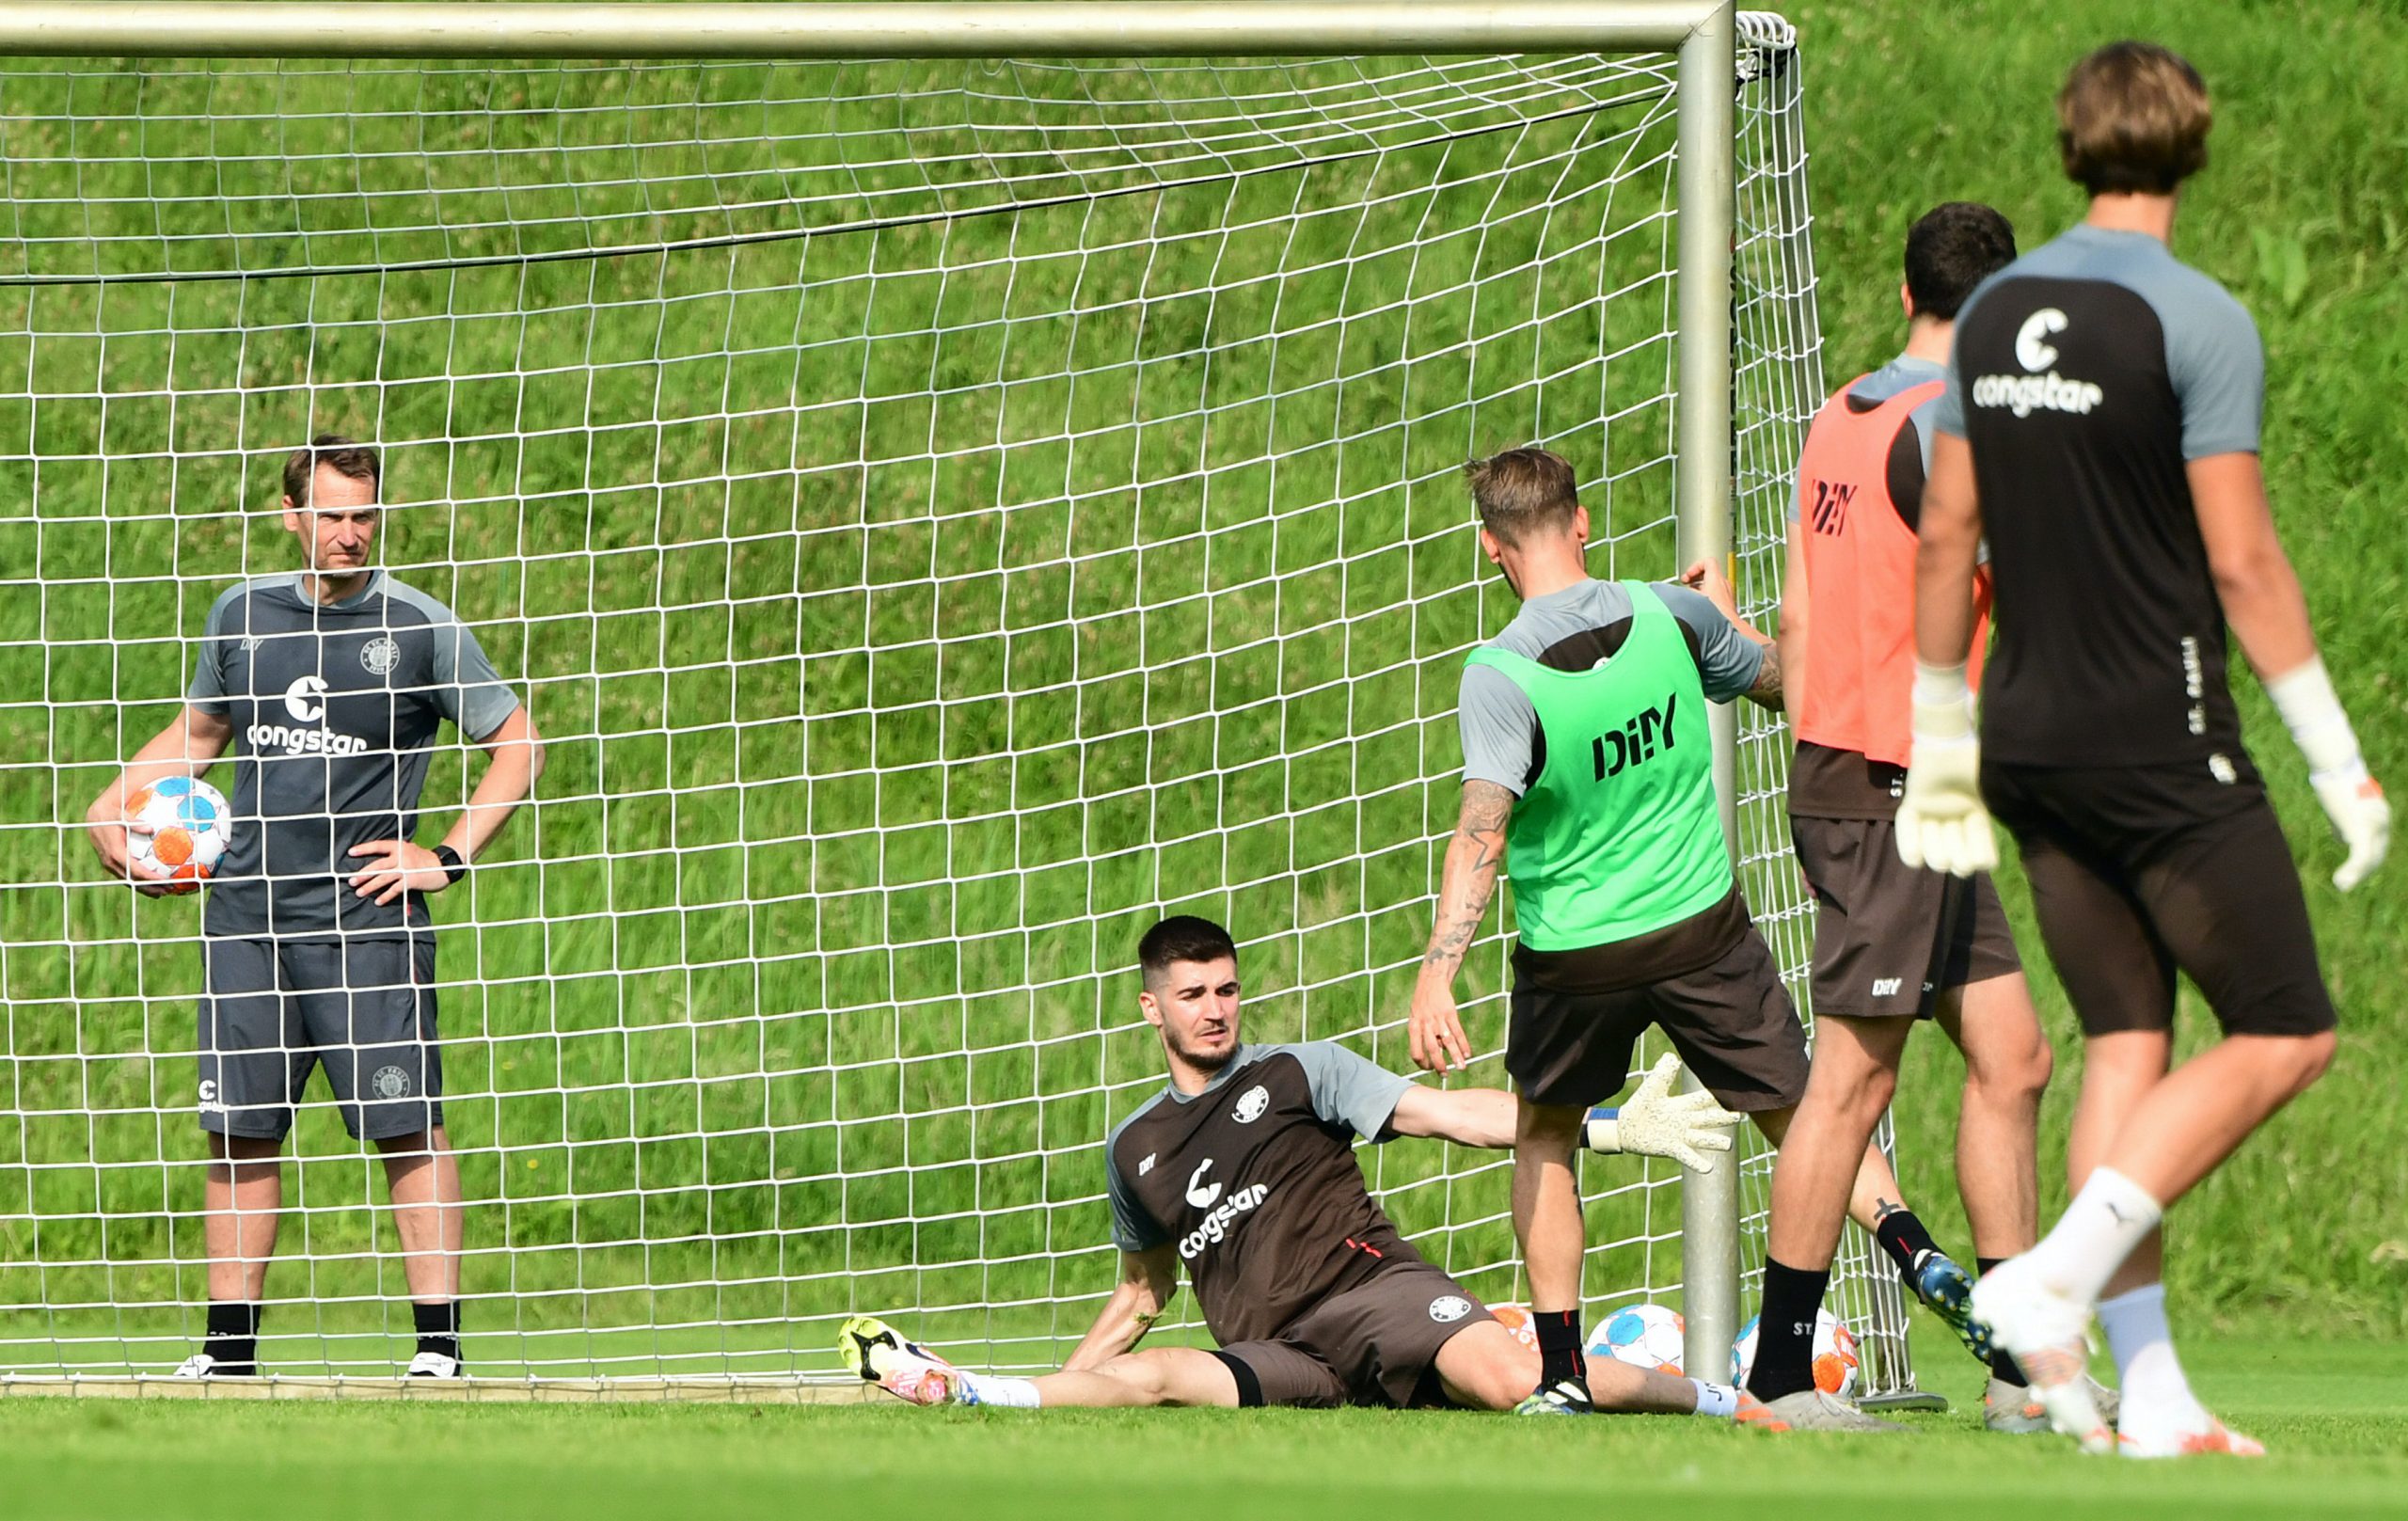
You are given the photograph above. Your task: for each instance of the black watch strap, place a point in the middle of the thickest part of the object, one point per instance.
(453, 867)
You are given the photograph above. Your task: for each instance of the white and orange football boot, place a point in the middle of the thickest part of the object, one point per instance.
(2217, 1439)
(2049, 1338)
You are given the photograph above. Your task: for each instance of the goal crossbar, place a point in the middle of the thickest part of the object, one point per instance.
(1703, 34)
(898, 29)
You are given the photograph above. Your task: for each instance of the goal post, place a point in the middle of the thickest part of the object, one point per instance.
(943, 506)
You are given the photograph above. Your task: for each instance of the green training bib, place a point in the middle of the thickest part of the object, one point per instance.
(1620, 834)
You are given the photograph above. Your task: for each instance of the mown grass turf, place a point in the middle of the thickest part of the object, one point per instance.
(2332, 1412)
(742, 940)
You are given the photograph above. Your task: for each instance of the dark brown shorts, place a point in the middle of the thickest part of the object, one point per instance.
(2139, 871)
(1377, 1344)
(1889, 937)
(1732, 1021)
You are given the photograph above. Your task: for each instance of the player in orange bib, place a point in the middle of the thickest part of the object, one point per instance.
(1892, 944)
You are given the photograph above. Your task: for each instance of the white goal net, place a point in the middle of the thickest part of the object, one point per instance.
(942, 517)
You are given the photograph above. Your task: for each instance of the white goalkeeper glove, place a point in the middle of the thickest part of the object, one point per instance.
(1942, 822)
(2351, 798)
(1657, 1122)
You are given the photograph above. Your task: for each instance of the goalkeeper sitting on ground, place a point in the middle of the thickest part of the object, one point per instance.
(1243, 1168)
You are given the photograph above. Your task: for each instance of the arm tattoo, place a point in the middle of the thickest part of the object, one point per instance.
(1767, 685)
(1478, 844)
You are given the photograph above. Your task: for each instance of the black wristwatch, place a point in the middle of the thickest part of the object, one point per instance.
(453, 867)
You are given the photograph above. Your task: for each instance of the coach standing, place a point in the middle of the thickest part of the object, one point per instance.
(317, 946)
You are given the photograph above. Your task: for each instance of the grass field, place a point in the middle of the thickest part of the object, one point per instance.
(2332, 1412)
(755, 1016)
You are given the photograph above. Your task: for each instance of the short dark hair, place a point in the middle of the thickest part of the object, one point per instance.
(347, 457)
(2133, 119)
(1951, 248)
(1183, 937)
(1521, 490)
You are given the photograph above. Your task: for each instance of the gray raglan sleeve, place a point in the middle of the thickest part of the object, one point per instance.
(2218, 369)
(1499, 728)
(1133, 1228)
(1728, 660)
(207, 690)
(470, 690)
(1349, 1089)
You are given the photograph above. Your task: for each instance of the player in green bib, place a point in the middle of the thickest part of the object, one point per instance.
(1586, 759)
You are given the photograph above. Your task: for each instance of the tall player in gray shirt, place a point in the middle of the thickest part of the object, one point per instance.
(318, 948)
(2100, 424)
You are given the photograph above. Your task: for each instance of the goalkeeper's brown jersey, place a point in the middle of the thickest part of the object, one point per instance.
(1255, 1181)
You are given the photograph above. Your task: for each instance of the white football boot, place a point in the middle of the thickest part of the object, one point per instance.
(2048, 1336)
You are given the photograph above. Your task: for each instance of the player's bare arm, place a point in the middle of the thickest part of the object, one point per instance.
(2260, 593)
(513, 761)
(1467, 1117)
(2263, 601)
(1942, 822)
(186, 747)
(1949, 539)
(1474, 857)
(1796, 609)
(1148, 1282)
(1706, 577)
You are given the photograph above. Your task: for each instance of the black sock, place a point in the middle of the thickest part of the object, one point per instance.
(1560, 1358)
(2001, 1365)
(438, 1328)
(1903, 1237)
(1786, 1331)
(233, 1336)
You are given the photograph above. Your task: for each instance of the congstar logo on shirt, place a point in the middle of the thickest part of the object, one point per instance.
(1221, 1215)
(305, 700)
(2025, 394)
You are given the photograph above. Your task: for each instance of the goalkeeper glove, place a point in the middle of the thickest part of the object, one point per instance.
(1657, 1122)
(1942, 822)
(2351, 798)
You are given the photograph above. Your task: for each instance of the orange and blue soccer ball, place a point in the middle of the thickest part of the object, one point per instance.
(190, 828)
(1643, 1336)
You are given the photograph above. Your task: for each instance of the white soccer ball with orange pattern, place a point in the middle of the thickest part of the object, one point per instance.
(1836, 1355)
(1643, 1336)
(190, 828)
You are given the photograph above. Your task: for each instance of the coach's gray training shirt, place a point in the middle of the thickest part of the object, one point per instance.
(334, 709)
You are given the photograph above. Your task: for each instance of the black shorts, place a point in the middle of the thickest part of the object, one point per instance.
(1888, 937)
(1732, 1021)
(361, 1006)
(1376, 1344)
(2139, 871)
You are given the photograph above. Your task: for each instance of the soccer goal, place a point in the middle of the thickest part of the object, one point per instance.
(952, 483)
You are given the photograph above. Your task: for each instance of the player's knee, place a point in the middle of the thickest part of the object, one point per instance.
(2307, 1058)
(1854, 1090)
(2013, 1072)
(1545, 1129)
(1141, 1374)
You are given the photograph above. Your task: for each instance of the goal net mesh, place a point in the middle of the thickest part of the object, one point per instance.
(940, 519)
